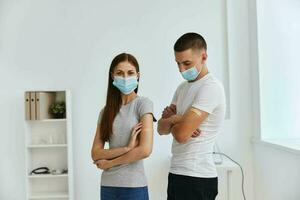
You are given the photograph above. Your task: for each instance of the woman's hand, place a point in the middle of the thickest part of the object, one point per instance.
(103, 164)
(133, 142)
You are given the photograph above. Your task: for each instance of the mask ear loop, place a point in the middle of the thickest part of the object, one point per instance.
(138, 77)
(199, 71)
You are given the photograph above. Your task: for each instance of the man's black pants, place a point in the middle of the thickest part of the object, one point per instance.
(191, 188)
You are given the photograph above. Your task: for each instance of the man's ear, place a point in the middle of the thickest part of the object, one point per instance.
(204, 57)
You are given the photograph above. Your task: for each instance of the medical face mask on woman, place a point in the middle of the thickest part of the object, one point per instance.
(125, 85)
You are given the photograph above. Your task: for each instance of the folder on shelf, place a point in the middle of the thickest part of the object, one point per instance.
(27, 106)
(32, 106)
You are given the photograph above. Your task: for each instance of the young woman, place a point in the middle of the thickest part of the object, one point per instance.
(126, 123)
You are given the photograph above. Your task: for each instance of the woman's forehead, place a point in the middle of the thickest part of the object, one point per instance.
(125, 66)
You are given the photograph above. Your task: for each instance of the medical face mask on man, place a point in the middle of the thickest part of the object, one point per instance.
(190, 74)
(125, 85)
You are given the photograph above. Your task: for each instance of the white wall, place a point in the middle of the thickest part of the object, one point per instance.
(69, 44)
(277, 174)
(235, 140)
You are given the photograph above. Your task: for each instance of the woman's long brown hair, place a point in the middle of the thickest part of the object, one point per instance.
(113, 98)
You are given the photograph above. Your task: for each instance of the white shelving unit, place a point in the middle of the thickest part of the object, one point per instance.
(48, 143)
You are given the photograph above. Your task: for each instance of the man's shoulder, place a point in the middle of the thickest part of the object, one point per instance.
(210, 87)
(182, 85)
(213, 82)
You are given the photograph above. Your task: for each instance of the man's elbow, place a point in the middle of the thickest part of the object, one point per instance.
(161, 129)
(179, 135)
(181, 139)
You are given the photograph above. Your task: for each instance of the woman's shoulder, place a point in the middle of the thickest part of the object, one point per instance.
(145, 105)
(143, 102)
(101, 110)
(143, 99)
(100, 114)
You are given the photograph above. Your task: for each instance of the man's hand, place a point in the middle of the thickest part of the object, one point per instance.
(196, 133)
(103, 164)
(176, 118)
(168, 119)
(169, 111)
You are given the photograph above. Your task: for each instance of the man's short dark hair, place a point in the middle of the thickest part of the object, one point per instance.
(190, 41)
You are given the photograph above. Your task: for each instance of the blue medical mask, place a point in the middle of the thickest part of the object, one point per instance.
(125, 85)
(190, 74)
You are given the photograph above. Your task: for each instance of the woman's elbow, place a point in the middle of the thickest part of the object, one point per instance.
(95, 154)
(146, 152)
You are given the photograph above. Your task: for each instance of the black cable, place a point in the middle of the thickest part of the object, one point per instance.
(40, 170)
(243, 178)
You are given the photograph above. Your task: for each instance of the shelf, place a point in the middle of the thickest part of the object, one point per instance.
(48, 143)
(49, 195)
(35, 146)
(48, 120)
(47, 176)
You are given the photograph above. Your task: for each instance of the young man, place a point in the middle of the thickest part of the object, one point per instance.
(194, 119)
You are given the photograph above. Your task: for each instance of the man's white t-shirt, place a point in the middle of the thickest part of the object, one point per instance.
(194, 158)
